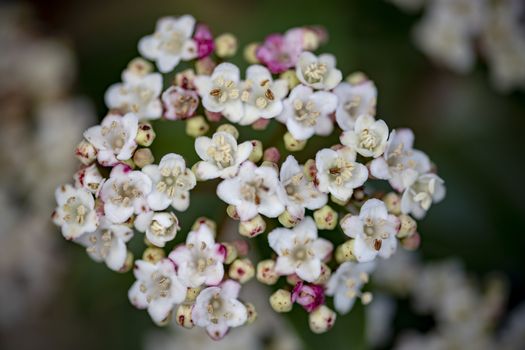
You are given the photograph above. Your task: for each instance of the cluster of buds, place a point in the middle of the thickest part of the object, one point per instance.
(120, 190)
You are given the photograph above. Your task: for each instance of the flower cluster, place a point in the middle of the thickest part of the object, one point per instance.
(120, 191)
(452, 31)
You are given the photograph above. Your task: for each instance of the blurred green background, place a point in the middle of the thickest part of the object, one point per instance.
(473, 134)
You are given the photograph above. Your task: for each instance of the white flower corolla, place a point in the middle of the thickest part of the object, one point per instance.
(318, 72)
(254, 190)
(373, 230)
(400, 162)
(138, 94)
(221, 92)
(114, 138)
(421, 191)
(221, 155)
(159, 227)
(338, 172)
(469, 15)
(89, 178)
(124, 193)
(108, 244)
(75, 212)
(172, 183)
(157, 289)
(300, 192)
(170, 43)
(346, 282)
(300, 250)
(200, 261)
(368, 138)
(307, 113)
(354, 100)
(262, 96)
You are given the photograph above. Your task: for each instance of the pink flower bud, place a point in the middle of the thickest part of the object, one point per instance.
(272, 154)
(179, 103)
(204, 40)
(308, 296)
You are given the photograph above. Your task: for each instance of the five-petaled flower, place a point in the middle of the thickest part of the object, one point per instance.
(159, 227)
(368, 138)
(281, 52)
(354, 100)
(319, 72)
(421, 191)
(179, 103)
(75, 211)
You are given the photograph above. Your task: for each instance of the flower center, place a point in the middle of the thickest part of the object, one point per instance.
(221, 152)
(224, 90)
(264, 95)
(368, 139)
(125, 193)
(159, 288)
(352, 105)
(293, 188)
(422, 193)
(172, 181)
(375, 233)
(306, 113)
(100, 247)
(115, 135)
(341, 171)
(250, 191)
(75, 211)
(172, 43)
(315, 72)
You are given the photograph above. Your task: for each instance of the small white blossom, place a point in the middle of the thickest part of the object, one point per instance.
(75, 211)
(421, 191)
(172, 183)
(338, 173)
(221, 155)
(220, 92)
(108, 244)
(124, 193)
(318, 72)
(200, 260)
(254, 190)
(114, 138)
(374, 231)
(346, 282)
(400, 161)
(368, 138)
(354, 100)
(300, 192)
(217, 309)
(300, 250)
(170, 43)
(138, 93)
(262, 96)
(307, 113)
(157, 289)
(89, 178)
(159, 227)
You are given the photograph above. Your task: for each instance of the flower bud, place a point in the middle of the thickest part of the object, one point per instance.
(253, 227)
(232, 212)
(321, 319)
(242, 270)
(231, 253)
(345, 252)
(266, 272)
(271, 154)
(252, 313)
(281, 301)
(143, 157)
(325, 218)
(357, 78)
(139, 66)
(291, 78)
(326, 272)
(249, 53)
(407, 226)
(293, 145)
(257, 151)
(242, 247)
(197, 126)
(288, 220)
(309, 296)
(145, 134)
(366, 298)
(153, 254)
(128, 264)
(393, 203)
(310, 40)
(226, 45)
(185, 79)
(86, 152)
(310, 170)
(205, 221)
(183, 316)
(192, 294)
(338, 201)
(260, 124)
(230, 129)
(205, 66)
(411, 242)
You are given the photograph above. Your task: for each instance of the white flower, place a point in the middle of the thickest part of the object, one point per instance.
(338, 173)
(108, 244)
(262, 96)
(318, 72)
(300, 250)
(172, 183)
(75, 211)
(306, 113)
(374, 231)
(346, 282)
(254, 190)
(200, 260)
(217, 309)
(157, 288)
(221, 155)
(159, 227)
(138, 93)
(124, 193)
(368, 138)
(114, 138)
(420, 193)
(89, 178)
(300, 192)
(354, 100)
(170, 43)
(400, 161)
(220, 92)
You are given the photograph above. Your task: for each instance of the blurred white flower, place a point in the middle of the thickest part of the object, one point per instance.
(354, 100)
(159, 227)
(421, 191)
(318, 72)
